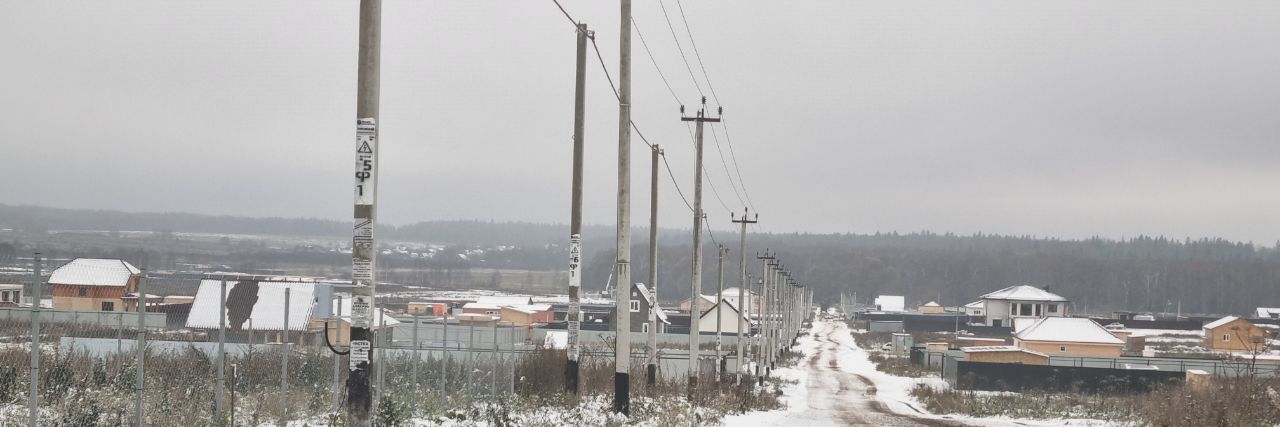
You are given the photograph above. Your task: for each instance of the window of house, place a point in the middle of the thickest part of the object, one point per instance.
(108, 306)
(1062, 348)
(4, 296)
(1226, 337)
(1039, 309)
(1053, 308)
(84, 291)
(490, 312)
(1025, 309)
(644, 327)
(635, 306)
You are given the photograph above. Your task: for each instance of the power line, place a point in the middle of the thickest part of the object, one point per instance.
(741, 182)
(695, 52)
(720, 152)
(683, 57)
(676, 185)
(654, 60)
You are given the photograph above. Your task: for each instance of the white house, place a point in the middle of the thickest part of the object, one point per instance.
(728, 314)
(1002, 306)
(731, 294)
(975, 309)
(1268, 313)
(891, 303)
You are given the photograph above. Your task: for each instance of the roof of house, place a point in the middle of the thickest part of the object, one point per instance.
(93, 272)
(1220, 322)
(482, 306)
(528, 308)
(975, 304)
(932, 304)
(999, 349)
(506, 300)
(259, 307)
(1024, 293)
(653, 302)
(731, 307)
(891, 302)
(1067, 329)
(1268, 312)
(733, 293)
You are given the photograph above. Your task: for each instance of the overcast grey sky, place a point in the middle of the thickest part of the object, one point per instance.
(1055, 118)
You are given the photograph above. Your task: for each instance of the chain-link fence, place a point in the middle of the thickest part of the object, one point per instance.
(168, 366)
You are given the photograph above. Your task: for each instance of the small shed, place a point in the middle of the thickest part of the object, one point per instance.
(1004, 354)
(932, 307)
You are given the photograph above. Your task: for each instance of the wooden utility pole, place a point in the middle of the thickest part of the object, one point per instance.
(363, 249)
(575, 215)
(651, 370)
(744, 306)
(622, 300)
(696, 286)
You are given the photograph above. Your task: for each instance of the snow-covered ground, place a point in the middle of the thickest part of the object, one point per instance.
(835, 384)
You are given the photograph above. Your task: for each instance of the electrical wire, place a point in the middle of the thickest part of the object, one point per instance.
(695, 52)
(725, 165)
(683, 56)
(654, 60)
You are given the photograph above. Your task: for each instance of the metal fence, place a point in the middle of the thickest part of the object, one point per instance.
(1227, 368)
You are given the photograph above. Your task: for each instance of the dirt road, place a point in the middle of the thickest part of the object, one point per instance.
(838, 395)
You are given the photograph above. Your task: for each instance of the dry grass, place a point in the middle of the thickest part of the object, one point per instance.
(1228, 402)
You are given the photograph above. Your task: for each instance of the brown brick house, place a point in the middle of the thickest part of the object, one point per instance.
(92, 284)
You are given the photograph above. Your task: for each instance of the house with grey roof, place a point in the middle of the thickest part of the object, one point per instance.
(1022, 301)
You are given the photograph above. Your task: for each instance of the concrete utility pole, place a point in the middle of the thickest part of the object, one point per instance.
(622, 300)
(698, 217)
(761, 351)
(219, 396)
(363, 249)
(720, 361)
(575, 215)
(141, 343)
(744, 306)
(284, 363)
(33, 396)
(651, 371)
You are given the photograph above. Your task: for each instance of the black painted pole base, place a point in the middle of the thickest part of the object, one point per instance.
(571, 376)
(359, 390)
(651, 376)
(724, 366)
(622, 393)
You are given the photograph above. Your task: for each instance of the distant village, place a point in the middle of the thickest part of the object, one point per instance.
(1027, 337)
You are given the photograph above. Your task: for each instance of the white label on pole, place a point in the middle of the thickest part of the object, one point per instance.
(575, 260)
(359, 352)
(359, 308)
(362, 251)
(366, 161)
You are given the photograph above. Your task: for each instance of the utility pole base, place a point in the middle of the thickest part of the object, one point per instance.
(622, 393)
(571, 376)
(651, 376)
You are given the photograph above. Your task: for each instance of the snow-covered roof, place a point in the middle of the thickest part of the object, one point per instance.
(999, 349)
(93, 272)
(932, 304)
(482, 306)
(505, 300)
(1024, 293)
(653, 302)
(891, 302)
(1220, 322)
(529, 308)
(1268, 312)
(733, 293)
(261, 308)
(732, 307)
(558, 340)
(1067, 329)
(975, 304)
